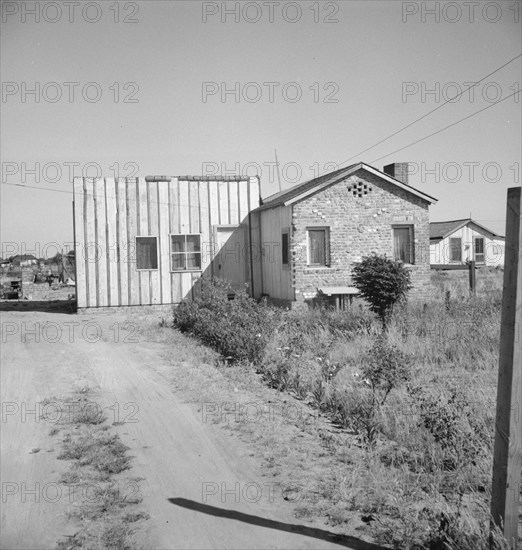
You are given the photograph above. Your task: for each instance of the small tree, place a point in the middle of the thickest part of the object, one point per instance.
(382, 282)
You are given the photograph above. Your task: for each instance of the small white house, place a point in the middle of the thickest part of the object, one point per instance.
(459, 241)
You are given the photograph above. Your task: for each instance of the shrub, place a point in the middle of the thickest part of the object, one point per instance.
(359, 406)
(238, 328)
(387, 367)
(448, 417)
(382, 282)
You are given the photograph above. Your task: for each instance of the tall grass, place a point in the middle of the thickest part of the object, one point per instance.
(420, 405)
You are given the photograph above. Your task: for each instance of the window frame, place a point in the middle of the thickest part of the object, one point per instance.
(411, 235)
(451, 249)
(483, 253)
(157, 252)
(285, 231)
(327, 259)
(185, 253)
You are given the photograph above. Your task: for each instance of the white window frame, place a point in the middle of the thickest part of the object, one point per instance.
(411, 229)
(483, 253)
(450, 249)
(327, 261)
(200, 268)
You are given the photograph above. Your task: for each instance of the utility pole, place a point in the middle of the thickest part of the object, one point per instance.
(278, 172)
(507, 458)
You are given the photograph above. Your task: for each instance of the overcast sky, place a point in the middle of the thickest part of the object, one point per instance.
(176, 87)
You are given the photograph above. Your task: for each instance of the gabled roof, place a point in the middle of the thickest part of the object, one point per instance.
(441, 230)
(303, 190)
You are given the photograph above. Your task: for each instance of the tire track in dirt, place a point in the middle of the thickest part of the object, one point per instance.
(172, 450)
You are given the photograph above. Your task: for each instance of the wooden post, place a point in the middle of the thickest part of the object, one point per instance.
(447, 300)
(472, 278)
(507, 460)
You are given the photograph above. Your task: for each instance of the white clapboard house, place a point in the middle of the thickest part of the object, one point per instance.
(456, 242)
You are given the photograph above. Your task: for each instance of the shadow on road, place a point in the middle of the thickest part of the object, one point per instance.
(334, 538)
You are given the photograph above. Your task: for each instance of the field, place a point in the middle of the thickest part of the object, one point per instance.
(412, 416)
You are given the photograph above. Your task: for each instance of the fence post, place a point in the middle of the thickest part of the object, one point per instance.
(472, 278)
(507, 459)
(447, 300)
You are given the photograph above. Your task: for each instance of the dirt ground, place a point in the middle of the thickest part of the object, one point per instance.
(196, 485)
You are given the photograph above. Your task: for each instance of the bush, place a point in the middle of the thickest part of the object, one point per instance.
(359, 406)
(382, 282)
(238, 328)
(449, 418)
(386, 368)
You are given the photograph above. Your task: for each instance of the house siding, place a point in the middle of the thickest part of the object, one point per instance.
(357, 226)
(493, 248)
(110, 213)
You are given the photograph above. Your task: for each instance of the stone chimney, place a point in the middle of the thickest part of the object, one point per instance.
(397, 170)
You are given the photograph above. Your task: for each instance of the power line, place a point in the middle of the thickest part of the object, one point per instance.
(371, 162)
(128, 198)
(36, 187)
(432, 111)
(446, 127)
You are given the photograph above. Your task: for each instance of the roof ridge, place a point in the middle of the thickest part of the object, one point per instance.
(303, 189)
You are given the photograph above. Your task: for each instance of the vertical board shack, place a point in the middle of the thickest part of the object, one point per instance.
(146, 241)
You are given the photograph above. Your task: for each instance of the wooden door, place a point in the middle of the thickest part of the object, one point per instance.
(230, 262)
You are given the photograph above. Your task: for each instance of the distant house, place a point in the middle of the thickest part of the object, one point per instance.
(311, 234)
(23, 260)
(457, 242)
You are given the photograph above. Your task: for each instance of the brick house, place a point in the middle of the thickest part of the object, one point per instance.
(310, 235)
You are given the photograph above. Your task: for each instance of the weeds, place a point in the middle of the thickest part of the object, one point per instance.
(106, 518)
(417, 408)
(239, 329)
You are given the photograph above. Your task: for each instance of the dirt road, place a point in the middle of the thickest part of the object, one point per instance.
(200, 492)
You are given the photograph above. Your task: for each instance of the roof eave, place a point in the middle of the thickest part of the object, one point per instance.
(328, 183)
(374, 171)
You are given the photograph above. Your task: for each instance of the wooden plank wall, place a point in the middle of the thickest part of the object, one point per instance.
(79, 242)
(109, 214)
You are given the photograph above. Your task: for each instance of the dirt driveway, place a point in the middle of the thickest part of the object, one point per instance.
(200, 492)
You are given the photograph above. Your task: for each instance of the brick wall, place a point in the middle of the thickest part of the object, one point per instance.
(360, 221)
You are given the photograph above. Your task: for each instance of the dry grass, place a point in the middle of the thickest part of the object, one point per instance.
(422, 479)
(105, 505)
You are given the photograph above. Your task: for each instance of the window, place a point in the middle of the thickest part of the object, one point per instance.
(455, 249)
(403, 246)
(479, 250)
(285, 247)
(146, 252)
(185, 252)
(318, 241)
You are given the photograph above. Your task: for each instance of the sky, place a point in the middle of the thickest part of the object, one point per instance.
(109, 88)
